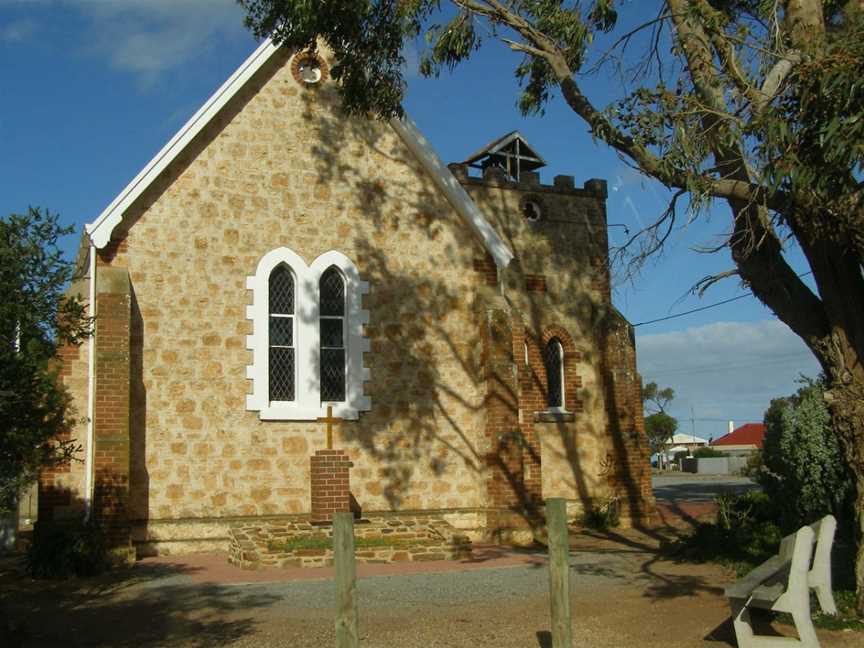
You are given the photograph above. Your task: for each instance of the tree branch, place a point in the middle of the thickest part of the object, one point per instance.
(726, 52)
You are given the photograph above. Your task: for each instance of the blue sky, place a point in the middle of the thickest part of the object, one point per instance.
(92, 89)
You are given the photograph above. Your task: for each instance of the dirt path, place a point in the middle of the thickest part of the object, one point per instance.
(624, 594)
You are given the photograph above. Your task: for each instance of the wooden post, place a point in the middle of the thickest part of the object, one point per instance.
(346, 581)
(559, 572)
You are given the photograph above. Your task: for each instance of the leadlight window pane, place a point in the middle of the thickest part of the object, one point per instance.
(331, 332)
(281, 290)
(281, 374)
(552, 358)
(332, 374)
(281, 334)
(332, 293)
(282, 331)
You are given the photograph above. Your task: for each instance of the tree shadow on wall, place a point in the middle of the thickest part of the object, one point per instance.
(431, 337)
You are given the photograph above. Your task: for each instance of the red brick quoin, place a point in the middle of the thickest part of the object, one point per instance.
(330, 485)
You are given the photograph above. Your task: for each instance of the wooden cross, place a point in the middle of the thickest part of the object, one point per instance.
(329, 420)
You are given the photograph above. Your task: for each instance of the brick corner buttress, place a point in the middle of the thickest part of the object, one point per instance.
(111, 409)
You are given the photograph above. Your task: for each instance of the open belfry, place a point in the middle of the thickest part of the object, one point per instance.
(300, 313)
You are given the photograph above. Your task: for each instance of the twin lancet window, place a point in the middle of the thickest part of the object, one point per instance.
(331, 338)
(307, 339)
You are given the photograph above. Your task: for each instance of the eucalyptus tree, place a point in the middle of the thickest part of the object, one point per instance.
(758, 104)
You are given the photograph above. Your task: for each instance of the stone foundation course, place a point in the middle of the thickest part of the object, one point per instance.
(295, 542)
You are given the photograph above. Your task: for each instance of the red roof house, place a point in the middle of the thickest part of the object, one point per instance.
(750, 436)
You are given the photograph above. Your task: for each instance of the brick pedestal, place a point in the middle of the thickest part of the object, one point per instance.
(330, 485)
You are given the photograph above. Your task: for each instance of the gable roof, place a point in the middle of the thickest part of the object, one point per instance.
(100, 230)
(506, 144)
(511, 152)
(748, 434)
(680, 439)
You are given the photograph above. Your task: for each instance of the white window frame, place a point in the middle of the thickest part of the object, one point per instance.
(307, 405)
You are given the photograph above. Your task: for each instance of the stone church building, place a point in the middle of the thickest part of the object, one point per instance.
(277, 261)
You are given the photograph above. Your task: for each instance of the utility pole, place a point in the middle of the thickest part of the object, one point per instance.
(693, 428)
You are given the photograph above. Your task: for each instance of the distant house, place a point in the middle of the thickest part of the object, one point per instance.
(684, 443)
(744, 440)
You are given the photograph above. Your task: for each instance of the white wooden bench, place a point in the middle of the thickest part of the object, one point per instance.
(783, 584)
(819, 576)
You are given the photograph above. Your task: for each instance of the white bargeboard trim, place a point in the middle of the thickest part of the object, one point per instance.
(101, 229)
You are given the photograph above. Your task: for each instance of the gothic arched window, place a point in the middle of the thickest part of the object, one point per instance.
(307, 337)
(281, 334)
(553, 359)
(331, 292)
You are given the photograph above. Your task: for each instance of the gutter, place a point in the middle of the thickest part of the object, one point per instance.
(91, 384)
(455, 193)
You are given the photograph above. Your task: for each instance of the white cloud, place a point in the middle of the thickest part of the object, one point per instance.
(149, 37)
(725, 371)
(17, 32)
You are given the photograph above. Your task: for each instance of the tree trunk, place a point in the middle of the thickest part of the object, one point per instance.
(846, 401)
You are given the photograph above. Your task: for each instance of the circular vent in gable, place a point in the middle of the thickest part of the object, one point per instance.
(308, 68)
(531, 210)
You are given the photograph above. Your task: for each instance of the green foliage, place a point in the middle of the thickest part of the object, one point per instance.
(847, 617)
(744, 534)
(659, 426)
(754, 465)
(64, 549)
(803, 466)
(368, 38)
(34, 318)
(812, 141)
(301, 542)
(747, 531)
(708, 453)
(326, 542)
(603, 518)
(658, 397)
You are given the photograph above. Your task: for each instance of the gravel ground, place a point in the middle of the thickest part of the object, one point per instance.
(624, 594)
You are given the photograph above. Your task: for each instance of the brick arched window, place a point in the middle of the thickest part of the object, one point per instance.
(553, 361)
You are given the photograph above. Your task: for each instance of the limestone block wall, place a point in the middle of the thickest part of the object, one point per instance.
(283, 166)
(559, 286)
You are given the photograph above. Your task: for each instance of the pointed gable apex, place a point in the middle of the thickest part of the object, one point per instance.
(512, 152)
(101, 229)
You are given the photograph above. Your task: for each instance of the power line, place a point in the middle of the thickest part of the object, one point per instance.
(781, 359)
(703, 308)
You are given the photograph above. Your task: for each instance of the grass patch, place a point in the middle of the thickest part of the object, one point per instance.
(301, 542)
(325, 542)
(847, 616)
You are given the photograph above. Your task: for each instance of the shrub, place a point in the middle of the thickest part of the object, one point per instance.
(753, 466)
(64, 549)
(604, 517)
(804, 470)
(744, 534)
(708, 453)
